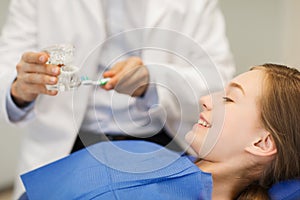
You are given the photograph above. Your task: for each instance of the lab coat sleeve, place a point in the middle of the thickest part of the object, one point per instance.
(18, 36)
(15, 113)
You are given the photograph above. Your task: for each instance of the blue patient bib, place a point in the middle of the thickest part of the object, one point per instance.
(119, 170)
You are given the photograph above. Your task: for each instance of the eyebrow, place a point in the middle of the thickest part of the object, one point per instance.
(235, 85)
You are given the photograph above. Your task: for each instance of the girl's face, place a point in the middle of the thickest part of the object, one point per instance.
(229, 122)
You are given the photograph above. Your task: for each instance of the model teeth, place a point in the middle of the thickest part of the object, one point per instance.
(203, 123)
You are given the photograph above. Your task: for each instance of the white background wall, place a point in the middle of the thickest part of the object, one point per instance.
(263, 31)
(291, 35)
(9, 137)
(254, 28)
(259, 31)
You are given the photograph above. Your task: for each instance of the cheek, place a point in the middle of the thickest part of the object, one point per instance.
(234, 136)
(227, 137)
(226, 143)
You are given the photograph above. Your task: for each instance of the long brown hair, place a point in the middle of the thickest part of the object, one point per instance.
(280, 115)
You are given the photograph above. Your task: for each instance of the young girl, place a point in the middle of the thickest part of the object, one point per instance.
(259, 143)
(247, 139)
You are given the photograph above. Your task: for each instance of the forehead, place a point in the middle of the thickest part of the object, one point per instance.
(251, 82)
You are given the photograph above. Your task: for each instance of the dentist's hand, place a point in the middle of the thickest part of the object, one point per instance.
(128, 77)
(32, 76)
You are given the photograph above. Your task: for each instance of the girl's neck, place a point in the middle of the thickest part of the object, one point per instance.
(227, 179)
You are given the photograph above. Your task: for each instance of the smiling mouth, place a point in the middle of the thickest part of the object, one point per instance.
(204, 123)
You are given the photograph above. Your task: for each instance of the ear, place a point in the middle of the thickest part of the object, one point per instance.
(263, 146)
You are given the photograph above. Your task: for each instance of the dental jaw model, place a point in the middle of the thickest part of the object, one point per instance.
(62, 55)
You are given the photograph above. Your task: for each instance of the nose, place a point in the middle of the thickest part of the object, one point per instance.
(206, 102)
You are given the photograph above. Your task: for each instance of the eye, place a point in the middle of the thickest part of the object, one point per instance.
(227, 99)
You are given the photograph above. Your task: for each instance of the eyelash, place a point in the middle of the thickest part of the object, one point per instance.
(227, 99)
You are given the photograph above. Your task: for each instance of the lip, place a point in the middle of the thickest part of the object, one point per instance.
(202, 118)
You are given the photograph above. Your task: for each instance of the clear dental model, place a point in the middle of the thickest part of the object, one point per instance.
(62, 55)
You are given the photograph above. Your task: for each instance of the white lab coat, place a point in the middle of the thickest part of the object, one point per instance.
(51, 127)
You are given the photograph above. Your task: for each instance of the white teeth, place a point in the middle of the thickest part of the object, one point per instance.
(204, 123)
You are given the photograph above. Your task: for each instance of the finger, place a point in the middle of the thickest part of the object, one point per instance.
(114, 69)
(35, 57)
(29, 92)
(127, 70)
(135, 61)
(113, 74)
(40, 89)
(110, 84)
(35, 78)
(120, 70)
(53, 70)
(120, 66)
(120, 78)
(109, 74)
(52, 92)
